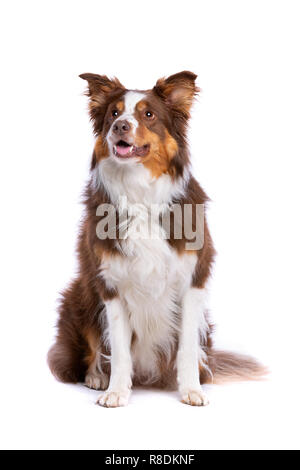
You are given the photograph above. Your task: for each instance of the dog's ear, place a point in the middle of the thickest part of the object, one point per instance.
(178, 91)
(99, 87)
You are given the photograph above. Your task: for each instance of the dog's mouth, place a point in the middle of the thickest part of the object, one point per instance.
(123, 149)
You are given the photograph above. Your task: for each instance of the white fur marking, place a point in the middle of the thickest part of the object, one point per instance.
(190, 353)
(120, 335)
(131, 99)
(135, 181)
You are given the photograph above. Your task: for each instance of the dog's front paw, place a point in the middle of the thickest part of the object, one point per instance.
(96, 381)
(194, 397)
(113, 398)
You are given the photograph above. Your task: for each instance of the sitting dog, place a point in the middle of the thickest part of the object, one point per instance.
(136, 312)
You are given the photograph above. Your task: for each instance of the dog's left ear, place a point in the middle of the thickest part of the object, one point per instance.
(178, 91)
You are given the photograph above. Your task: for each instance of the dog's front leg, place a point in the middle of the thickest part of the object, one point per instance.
(193, 323)
(120, 334)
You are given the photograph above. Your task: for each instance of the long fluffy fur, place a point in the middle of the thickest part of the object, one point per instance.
(228, 366)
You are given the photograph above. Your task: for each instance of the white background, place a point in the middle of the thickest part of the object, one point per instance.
(244, 142)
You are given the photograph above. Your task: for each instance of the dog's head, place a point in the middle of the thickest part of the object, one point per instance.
(142, 127)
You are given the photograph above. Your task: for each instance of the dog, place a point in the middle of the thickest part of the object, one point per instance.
(136, 313)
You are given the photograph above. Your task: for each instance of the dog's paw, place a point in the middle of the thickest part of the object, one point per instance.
(114, 399)
(194, 397)
(96, 381)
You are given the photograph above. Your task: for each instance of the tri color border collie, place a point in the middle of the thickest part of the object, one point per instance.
(136, 312)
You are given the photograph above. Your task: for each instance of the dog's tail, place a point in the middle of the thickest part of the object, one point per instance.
(226, 366)
(65, 362)
(66, 358)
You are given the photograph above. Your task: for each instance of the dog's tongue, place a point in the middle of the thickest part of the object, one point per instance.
(123, 150)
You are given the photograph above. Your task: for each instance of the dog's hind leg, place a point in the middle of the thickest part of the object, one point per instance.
(95, 377)
(75, 356)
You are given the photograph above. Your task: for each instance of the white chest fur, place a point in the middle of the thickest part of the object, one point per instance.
(151, 279)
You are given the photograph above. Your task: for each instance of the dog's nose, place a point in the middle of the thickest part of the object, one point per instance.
(121, 127)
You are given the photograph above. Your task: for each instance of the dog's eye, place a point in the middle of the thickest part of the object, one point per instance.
(115, 112)
(149, 115)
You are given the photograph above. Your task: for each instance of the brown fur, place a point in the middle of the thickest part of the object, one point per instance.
(100, 151)
(93, 340)
(82, 319)
(161, 151)
(231, 367)
(178, 91)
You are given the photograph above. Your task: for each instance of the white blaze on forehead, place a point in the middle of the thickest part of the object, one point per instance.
(131, 99)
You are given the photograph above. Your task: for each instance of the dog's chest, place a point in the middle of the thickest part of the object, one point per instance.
(148, 270)
(144, 272)
(150, 278)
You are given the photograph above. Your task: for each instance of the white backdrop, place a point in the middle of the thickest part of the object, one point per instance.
(244, 142)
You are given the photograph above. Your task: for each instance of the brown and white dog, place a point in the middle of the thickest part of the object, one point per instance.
(136, 313)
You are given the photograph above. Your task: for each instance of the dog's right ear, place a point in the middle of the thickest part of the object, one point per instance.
(99, 87)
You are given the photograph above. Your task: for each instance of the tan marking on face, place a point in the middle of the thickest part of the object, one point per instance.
(101, 149)
(120, 106)
(141, 106)
(161, 151)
